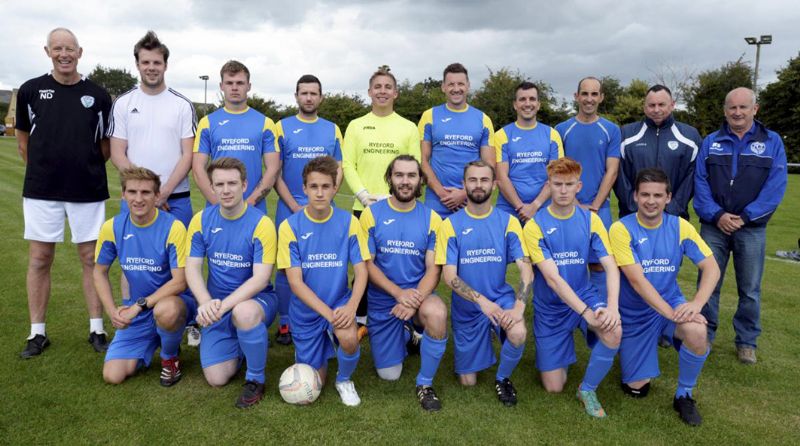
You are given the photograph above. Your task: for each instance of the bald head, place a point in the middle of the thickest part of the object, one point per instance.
(739, 93)
(740, 110)
(63, 50)
(63, 33)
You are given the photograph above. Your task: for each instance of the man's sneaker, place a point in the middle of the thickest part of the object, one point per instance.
(252, 392)
(747, 355)
(35, 346)
(685, 406)
(636, 393)
(428, 399)
(283, 336)
(192, 336)
(590, 403)
(362, 332)
(414, 340)
(506, 392)
(347, 391)
(170, 371)
(99, 341)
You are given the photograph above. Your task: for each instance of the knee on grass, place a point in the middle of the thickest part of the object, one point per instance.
(391, 373)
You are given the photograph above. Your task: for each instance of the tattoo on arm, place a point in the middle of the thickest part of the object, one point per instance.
(464, 290)
(523, 291)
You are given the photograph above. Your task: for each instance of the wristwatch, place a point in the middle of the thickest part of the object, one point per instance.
(142, 304)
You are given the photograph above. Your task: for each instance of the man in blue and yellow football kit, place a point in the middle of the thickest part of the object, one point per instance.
(301, 138)
(561, 239)
(648, 247)
(151, 248)
(240, 132)
(523, 150)
(453, 134)
(475, 245)
(237, 304)
(316, 246)
(403, 275)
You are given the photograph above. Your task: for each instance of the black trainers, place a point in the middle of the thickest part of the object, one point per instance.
(506, 392)
(35, 346)
(252, 392)
(170, 371)
(428, 399)
(283, 336)
(99, 341)
(413, 344)
(686, 408)
(636, 393)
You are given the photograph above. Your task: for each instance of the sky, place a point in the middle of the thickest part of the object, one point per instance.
(344, 41)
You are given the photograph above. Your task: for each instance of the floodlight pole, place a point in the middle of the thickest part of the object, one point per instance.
(764, 40)
(205, 91)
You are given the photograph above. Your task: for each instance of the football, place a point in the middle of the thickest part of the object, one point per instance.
(300, 384)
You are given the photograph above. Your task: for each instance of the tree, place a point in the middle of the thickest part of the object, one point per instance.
(413, 100)
(705, 95)
(341, 108)
(115, 80)
(628, 103)
(612, 90)
(780, 107)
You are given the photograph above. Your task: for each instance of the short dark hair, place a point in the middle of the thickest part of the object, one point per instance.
(652, 175)
(478, 163)
(234, 67)
(590, 78)
(308, 79)
(455, 68)
(325, 165)
(150, 42)
(658, 87)
(227, 163)
(526, 85)
(406, 157)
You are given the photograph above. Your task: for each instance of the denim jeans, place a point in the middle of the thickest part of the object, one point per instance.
(748, 246)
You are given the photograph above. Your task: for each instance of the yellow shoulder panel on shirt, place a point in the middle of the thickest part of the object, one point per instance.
(435, 222)
(443, 236)
(532, 235)
(599, 228)
(269, 126)
(687, 231)
(487, 123)
(279, 129)
(265, 233)
(355, 229)
(620, 240)
(366, 220)
(106, 235)
(202, 126)
(338, 134)
(515, 227)
(500, 139)
(195, 226)
(177, 237)
(555, 137)
(425, 119)
(285, 237)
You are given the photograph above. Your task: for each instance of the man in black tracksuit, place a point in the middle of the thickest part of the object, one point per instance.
(658, 141)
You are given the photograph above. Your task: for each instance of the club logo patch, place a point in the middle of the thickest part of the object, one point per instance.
(672, 145)
(758, 147)
(87, 101)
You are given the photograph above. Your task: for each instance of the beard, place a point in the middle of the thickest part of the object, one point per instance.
(417, 192)
(478, 199)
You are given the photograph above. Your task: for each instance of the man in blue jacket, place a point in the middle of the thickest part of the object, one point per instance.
(662, 142)
(740, 179)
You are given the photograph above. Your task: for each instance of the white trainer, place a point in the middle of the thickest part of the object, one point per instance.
(347, 391)
(192, 336)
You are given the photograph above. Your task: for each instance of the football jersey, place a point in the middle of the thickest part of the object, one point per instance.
(300, 141)
(568, 241)
(527, 150)
(456, 138)
(153, 126)
(147, 254)
(481, 247)
(246, 135)
(232, 246)
(322, 249)
(659, 250)
(371, 142)
(591, 145)
(398, 241)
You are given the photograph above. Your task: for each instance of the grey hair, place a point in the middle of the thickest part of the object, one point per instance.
(62, 29)
(752, 95)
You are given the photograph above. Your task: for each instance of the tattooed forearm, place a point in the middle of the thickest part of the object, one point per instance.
(464, 290)
(523, 291)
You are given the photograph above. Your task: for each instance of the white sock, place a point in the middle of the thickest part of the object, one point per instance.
(361, 320)
(37, 329)
(96, 325)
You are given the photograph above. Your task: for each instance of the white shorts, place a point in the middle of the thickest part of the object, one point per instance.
(44, 220)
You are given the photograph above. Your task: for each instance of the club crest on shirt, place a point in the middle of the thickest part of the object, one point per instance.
(673, 145)
(758, 147)
(87, 101)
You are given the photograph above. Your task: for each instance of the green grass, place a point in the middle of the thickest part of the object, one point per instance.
(60, 397)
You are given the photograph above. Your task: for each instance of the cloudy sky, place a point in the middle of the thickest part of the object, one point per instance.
(344, 41)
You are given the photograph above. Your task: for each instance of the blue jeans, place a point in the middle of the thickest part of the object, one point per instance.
(748, 246)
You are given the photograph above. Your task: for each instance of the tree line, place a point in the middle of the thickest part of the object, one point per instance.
(701, 99)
